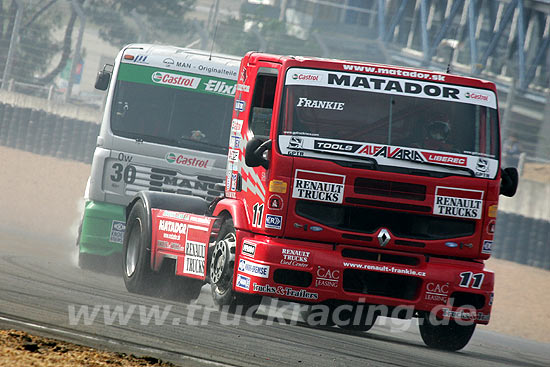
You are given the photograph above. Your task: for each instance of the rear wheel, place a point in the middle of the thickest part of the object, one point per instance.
(222, 264)
(136, 252)
(177, 287)
(446, 334)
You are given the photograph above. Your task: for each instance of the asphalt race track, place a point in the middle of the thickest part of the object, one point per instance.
(42, 291)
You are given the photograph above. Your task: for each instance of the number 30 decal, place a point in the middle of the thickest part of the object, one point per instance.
(468, 276)
(257, 214)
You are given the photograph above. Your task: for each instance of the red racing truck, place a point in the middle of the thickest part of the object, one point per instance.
(348, 185)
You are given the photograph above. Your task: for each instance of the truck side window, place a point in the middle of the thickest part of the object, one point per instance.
(262, 104)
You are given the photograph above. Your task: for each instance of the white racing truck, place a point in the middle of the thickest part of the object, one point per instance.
(165, 128)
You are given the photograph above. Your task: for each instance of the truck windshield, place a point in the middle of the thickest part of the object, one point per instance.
(183, 117)
(359, 122)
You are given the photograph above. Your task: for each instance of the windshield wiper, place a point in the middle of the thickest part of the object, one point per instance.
(367, 162)
(427, 172)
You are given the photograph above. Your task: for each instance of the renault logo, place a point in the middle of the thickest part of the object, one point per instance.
(384, 237)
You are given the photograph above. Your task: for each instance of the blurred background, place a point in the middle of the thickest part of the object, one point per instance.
(51, 51)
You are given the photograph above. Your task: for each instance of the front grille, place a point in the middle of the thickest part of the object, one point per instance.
(401, 190)
(461, 299)
(379, 256)
(292, 277)
(381, 284)
(165, 180)
(369, 220)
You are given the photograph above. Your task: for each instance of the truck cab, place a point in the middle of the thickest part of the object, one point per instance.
(165, 128)
(369, 189)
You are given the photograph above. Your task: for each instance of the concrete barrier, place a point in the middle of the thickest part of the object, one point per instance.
(47, 133)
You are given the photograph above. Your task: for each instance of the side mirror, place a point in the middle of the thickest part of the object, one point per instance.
(256, 150)
(103, 77)
(102, 80)
(509, 181)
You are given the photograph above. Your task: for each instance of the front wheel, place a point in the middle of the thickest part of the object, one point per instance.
(222, 264)
(136, 252)
(445, 334)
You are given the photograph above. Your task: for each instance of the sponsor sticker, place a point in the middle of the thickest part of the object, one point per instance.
(284, 291)
(195, 258)
(491, 227)
(386, 151)
(459, 203)
(334, 146)
(174, 227)
(292, 257)
(171, 214)
(487, 247)
(243, 88)
(450, 159)
(236, 125)
(295, 143)
(248, 249)
(482, 168)
(466, 315)
(273, 221)
(315, 147)
(140, 59)
(437, 292)
(168, 62)
(320, 105)
(240, 105)
(233, 181)
(243, 282)
(220, 87)
(327, 277)
(318, 186)
(275, 202)
(306, 76)
(394, 85)
(175, 80)
(189, 161)
(233, 155)
(235, 142)
(117, 231)
(252, 268)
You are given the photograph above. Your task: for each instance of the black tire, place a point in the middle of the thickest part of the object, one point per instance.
(222, 263)
(176, 287)
(187, 289)
(449, 336)
(136, 251)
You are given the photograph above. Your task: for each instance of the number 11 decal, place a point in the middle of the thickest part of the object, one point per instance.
(257, 215)
(468, 276)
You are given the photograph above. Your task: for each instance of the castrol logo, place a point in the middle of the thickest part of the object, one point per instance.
(176, 80)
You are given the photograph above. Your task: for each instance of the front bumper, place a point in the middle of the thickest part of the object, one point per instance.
(314, 273)
(103, 227)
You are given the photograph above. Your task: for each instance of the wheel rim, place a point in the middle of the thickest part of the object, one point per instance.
(132, 251)
(220, 264)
